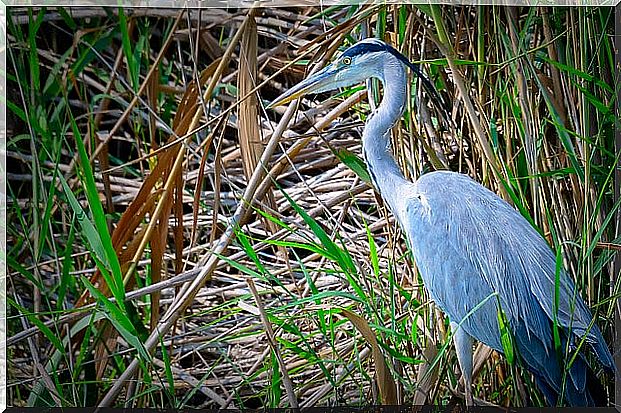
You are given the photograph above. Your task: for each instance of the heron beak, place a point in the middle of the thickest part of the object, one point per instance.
(315, 83)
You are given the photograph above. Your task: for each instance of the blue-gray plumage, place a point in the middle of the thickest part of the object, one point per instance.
(474, 251)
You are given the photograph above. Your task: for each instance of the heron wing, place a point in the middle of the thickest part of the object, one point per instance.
(454, 284)
(480, 245)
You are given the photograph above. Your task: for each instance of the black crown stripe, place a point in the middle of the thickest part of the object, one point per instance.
(375, 45)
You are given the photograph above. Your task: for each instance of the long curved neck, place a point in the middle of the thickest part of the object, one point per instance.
(385, 173)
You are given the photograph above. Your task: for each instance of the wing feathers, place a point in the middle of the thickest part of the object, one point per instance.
(468, 244)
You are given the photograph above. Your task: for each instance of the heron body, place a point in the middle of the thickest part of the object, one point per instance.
(476, 254)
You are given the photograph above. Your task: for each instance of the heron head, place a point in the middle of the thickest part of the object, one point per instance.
(359, 62)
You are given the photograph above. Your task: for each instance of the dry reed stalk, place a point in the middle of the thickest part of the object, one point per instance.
(269, 331)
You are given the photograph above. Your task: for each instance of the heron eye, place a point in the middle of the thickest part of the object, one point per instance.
(347, 61)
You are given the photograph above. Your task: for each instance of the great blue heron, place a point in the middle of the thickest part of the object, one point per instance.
(474, 251)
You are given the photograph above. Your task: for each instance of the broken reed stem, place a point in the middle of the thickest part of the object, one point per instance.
(271, 339)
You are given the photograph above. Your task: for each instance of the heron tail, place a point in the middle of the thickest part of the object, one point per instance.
(582, 387)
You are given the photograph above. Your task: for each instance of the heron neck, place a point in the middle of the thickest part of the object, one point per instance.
(385, 173)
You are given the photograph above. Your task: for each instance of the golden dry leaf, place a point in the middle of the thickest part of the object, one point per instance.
(426, 379)
(247, 116)
(249, 131)
(385, 382)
